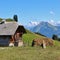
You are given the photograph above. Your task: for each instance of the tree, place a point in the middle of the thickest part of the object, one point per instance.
(58, 39)
(9, 19)
(55, 37)
(1, 19)
(15, 18)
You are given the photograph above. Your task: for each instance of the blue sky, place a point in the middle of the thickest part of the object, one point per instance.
(31, 10)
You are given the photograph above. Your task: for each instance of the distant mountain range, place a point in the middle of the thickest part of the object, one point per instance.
(46, 29)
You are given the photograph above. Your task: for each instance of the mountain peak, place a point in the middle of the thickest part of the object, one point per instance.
(45, 28)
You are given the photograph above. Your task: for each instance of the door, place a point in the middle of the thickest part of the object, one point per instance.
(4, 41)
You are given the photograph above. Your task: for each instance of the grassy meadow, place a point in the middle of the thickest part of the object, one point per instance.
(27, 38)
(30, 53)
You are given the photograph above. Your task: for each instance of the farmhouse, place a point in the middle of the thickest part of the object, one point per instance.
(11, 34)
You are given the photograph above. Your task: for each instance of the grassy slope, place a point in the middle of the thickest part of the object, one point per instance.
(30, 53)
(27, 38)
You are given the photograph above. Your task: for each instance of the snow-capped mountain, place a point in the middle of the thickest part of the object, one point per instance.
(46, 29)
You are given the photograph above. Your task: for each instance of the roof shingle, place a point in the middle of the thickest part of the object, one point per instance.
(8, 28)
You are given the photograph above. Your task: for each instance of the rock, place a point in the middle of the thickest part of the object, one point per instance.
(11, 44)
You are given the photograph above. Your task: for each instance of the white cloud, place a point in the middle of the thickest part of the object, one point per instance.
(52, 12)
(33, 23)
(54, 22)
(58, 22)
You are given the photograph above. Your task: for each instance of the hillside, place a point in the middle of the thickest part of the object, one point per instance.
(30, 53)
(46, 29)
(29, 36)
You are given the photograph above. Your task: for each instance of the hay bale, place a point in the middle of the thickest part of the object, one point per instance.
(39, 42)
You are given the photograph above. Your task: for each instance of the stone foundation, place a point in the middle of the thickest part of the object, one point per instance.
(11, 44)
(20, 43)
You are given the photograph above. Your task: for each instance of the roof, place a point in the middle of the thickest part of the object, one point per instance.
(8, 28)
(21, 29)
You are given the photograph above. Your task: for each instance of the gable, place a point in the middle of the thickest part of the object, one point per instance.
(21, 29)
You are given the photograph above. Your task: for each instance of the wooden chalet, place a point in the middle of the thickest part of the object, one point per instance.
(11, 34)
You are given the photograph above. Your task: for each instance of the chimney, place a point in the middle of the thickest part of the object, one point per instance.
(15, 18)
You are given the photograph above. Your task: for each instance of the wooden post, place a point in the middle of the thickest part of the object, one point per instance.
(11, 43)
(44, 44)
(20, 43)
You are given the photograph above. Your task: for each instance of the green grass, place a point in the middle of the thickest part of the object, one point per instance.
(27, 38)
(30, 53)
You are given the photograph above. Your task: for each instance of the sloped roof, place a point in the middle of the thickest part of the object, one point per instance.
(8, 28)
